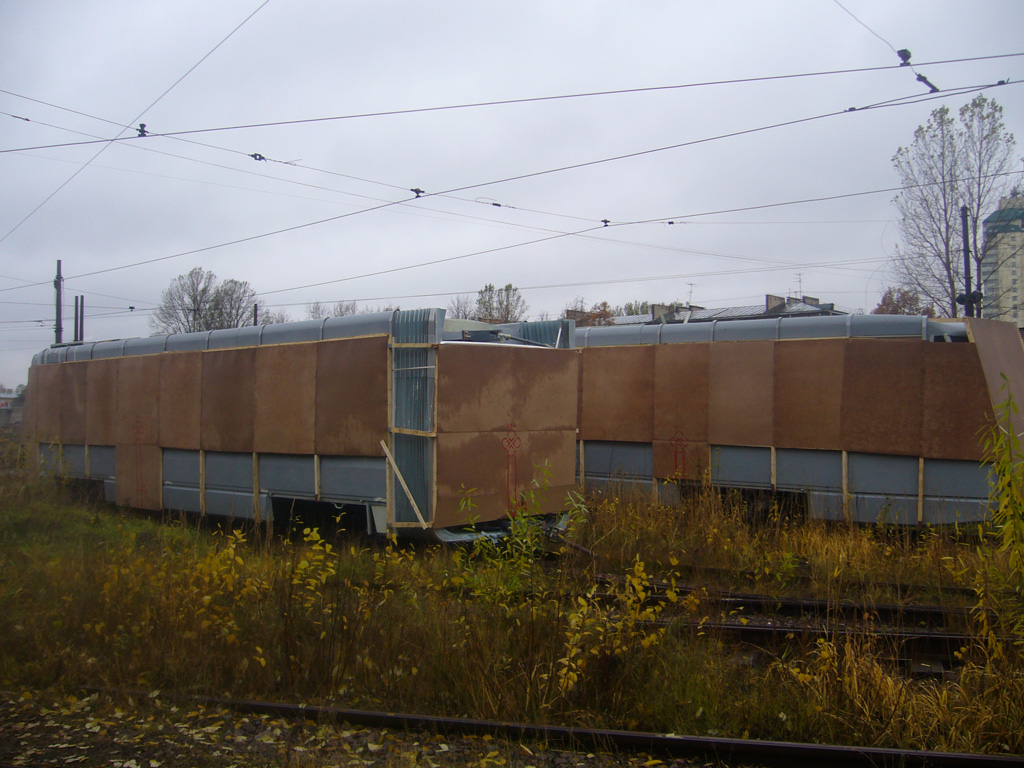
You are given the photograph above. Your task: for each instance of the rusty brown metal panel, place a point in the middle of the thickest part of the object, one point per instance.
(680, 459)
(285, 398)
(487, 388)
(477, 465)
(29, 425)
(1001, 351)
(809, 393)
(617, 395)
(957, 412)
(48, 409)
(138, 400)
(883, 396)
(181, 389)
(228, 400)
(741, 392)
(138, 476)
(101, 399)
(681, 392)
(352, 396)
(73, 403)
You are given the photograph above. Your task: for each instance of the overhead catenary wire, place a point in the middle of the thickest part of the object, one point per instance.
(141, 130)
(505, 102)
(419, 194)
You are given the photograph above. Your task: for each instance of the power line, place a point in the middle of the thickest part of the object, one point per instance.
(527, 100)
(142, 128)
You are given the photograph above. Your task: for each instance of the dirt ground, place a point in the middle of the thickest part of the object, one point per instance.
(49, 729)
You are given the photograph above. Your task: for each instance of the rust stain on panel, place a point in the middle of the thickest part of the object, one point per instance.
(957, 410)
(741, 392)
(352, 396)
(138, 476)
(478, 465)
(228, 400)
(73, 403)
(285, 398)
(681, 392)
(138, 400)
(101, 397)
(181, 394)
(618, 394)
(882, 396)
(808, 393)
(486, 388)
(680, 459)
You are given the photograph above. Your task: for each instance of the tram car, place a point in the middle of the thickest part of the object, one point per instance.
(440, 428)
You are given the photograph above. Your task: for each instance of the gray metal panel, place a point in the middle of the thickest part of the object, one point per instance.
(887, 325)
(800, 470)
(55, 355)
(102, 461)
(612, 336)
(414, 456)
(678, 333)
(353, 478)
(49, 457)
(188, 342)
(105, 349)
(235, 504)
(150, 345)
(814, 327)
(181, 467)
(614, 460)
(885, 509)
(741, 466)
(946, 330)
(290, 333)
(358, 325)
(230, 338)
(229, 471)
(414, 371)
(553, 333)
(824, 506)
(651, 334)
(746, 330)
(81, 351)
(948, 511)
(875, 473)
(38, 357)
(181, 498)
(74, 460)
(287, 475)
(110, 491)
(956, 479)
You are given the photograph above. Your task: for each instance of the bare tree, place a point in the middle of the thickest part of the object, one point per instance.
(197, 302)
(950, 163)
(500, 305)
(461, 307)
(318, 310)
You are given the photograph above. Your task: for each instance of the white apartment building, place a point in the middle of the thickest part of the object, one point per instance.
(1002, 265)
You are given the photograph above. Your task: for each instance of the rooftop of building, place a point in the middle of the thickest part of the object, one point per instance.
(774, 306)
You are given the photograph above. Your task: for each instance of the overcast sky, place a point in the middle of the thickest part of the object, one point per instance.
(75, 72)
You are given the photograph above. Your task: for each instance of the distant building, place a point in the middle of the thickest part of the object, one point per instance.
(774, 306)
(1003, 262)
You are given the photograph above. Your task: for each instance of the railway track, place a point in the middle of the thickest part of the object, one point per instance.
(672, 746)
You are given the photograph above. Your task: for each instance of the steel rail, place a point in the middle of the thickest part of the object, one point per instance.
(745, 751)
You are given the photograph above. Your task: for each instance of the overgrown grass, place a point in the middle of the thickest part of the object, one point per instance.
(93, 596)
